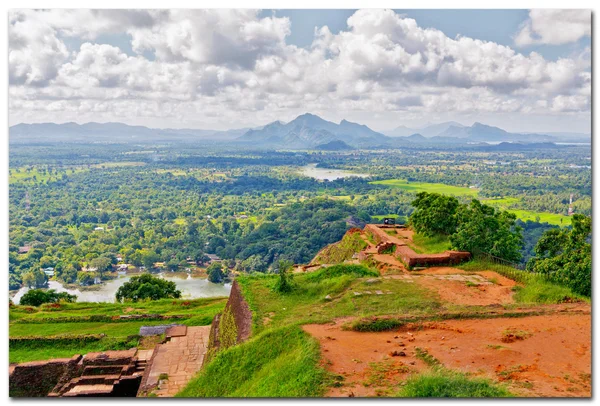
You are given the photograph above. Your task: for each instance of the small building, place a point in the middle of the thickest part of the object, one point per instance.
(48, 271)
(99, 229)
(213, 258)
(24, 249)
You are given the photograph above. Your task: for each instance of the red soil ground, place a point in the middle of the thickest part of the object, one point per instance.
(552, 358)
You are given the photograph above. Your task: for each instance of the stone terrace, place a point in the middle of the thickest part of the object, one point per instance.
(176, 361)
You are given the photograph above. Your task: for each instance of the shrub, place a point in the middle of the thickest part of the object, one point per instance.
(376, 324)
(149, 287)
(37, 297)
(442, 383)
(285, 282)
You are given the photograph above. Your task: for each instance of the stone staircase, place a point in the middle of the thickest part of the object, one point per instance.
(113, 373)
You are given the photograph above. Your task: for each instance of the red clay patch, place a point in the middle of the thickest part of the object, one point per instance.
(554, 361)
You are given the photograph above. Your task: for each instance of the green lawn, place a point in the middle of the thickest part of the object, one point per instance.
(427, 187)
(72, 320)
(430, 245)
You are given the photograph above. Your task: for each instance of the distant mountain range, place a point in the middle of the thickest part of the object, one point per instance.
(478, 132)
(112, 132)
(307, 131)
(429, 131)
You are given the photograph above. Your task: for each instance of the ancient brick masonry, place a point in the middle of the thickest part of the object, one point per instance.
(403, 252)
(242, 316)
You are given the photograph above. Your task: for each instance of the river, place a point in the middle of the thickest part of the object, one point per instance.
(312, 171)
(191, 288)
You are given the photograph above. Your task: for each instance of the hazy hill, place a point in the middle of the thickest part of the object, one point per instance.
(308, 130)
(112, 132)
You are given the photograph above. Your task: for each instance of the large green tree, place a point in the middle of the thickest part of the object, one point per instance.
(145, 287)
(435, 214)
(215, 272)
(36, 297)
(482, 228)
(565, 255)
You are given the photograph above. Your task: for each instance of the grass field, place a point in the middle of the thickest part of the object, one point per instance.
(430, 245)
(427, 187)
(550, 218)
(53, 331)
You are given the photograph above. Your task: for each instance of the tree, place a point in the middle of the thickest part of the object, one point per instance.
(485, 229)
(149, 258)
(215, 272)
(285, 283)
(86, 278)
(565, 255)
(147, 287)
(37, 297)
(102, 264)
(435, 214)
(35, 279)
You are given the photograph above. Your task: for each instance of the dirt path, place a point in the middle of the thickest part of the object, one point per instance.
(548, 355)
(179, 359)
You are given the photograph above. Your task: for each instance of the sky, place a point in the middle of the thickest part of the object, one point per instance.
(522, 70)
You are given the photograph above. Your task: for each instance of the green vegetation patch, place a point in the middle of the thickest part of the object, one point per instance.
(427, 187)
(279, 363)
(443, 383)
(38, 333)
(339, 252)
(430, 245)
(536, 288)
(330, 293)
(376, 324)
(24, 349)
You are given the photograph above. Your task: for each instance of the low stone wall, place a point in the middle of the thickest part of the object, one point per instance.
(412, 259)
(38, 378)
(232, 326)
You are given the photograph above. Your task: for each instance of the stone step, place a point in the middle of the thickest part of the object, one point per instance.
(105, 369)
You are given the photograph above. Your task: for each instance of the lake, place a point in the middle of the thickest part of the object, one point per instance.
(191, 288)
(312, 171)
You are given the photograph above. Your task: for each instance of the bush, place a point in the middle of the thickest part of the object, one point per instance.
(358, 271)
(149, 287)
(376, 324)
(37, 297)
(443, 383)
(285, 282)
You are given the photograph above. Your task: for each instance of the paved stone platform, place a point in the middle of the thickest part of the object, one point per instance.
(180, 359)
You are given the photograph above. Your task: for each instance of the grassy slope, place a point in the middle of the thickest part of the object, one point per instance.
(278, 363)
(282, 360)
(33, 322)
(341, 251)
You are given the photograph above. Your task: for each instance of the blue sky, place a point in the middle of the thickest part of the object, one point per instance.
(235, 68)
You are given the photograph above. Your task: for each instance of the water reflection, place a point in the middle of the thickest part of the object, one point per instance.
(312, 171)
(191, 288)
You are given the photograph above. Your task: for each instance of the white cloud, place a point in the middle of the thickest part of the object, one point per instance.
(554, 27)
(210, 65)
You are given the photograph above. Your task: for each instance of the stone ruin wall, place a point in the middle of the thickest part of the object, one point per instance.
(38, 378)
(242, 320)
(408, 256)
